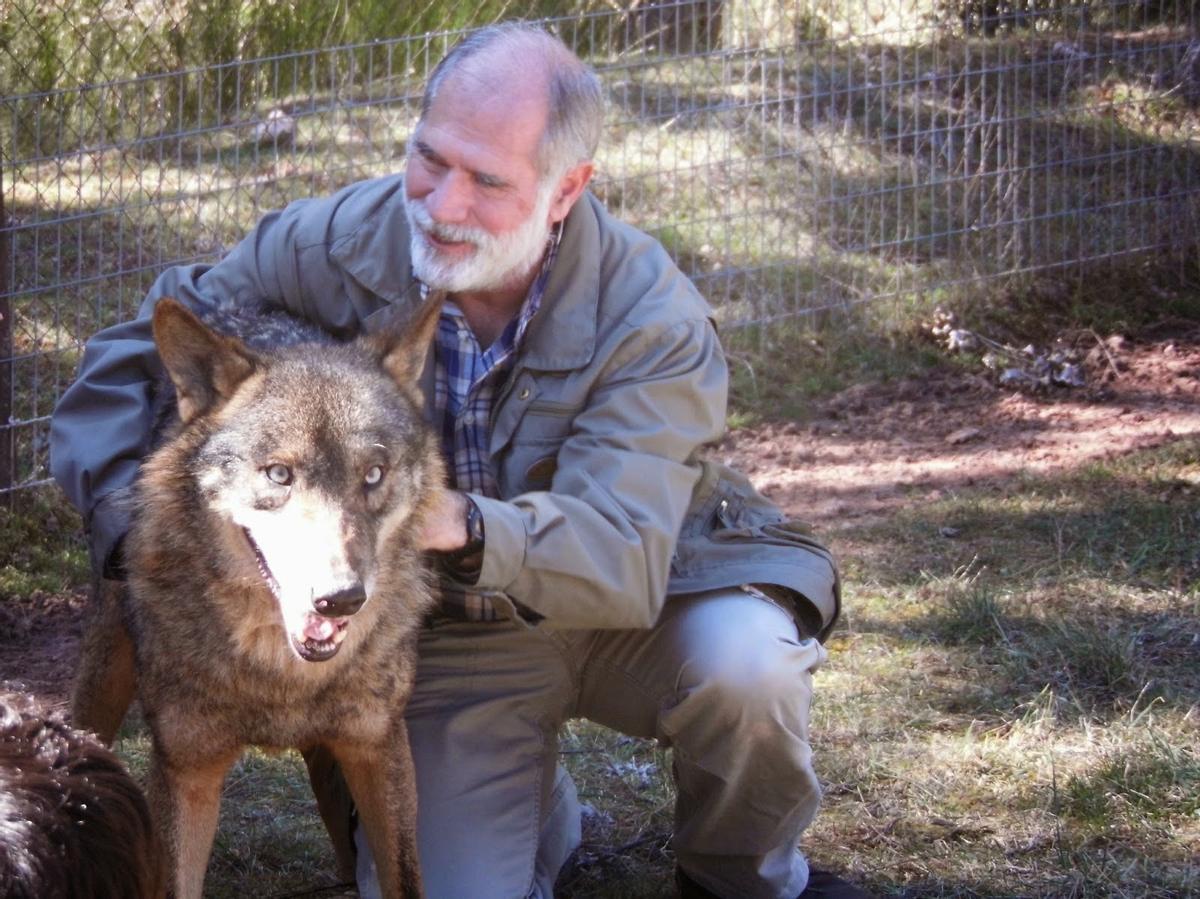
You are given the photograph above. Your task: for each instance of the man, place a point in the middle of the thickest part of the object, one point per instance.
(576, 377)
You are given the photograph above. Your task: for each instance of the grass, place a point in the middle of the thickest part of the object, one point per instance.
(43, 552)
(777, 371)
(269, 836)
(628, 799)
(1022, 723)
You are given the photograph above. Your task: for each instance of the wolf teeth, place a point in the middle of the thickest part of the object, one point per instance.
(263, 568)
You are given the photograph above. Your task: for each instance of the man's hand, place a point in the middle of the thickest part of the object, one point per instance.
(445, 526)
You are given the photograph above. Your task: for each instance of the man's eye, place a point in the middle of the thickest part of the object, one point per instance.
(430, 158)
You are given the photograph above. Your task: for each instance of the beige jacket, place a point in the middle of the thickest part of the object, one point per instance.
(596, 437)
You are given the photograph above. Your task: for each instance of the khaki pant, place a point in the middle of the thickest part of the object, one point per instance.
(723, 679)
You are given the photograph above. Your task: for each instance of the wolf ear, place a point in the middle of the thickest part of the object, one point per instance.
(403, 348)
(204, 366)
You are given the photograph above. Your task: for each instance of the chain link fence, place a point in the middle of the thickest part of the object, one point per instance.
(795, 157)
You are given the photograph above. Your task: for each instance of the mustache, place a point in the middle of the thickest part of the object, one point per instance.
(449, 233)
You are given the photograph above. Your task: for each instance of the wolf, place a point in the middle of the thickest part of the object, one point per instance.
(274, 584)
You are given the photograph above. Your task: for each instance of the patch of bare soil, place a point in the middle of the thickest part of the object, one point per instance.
(875, 446)
(866, 451)
(39, 642)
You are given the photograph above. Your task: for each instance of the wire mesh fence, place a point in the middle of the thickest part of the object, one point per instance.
(794, 157)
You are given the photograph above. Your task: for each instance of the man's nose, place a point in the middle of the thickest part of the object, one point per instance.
(450, 200)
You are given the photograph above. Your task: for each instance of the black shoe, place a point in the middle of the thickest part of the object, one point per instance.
(821, 885)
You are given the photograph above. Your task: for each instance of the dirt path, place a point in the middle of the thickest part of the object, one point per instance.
(873, 447)
(866, 451)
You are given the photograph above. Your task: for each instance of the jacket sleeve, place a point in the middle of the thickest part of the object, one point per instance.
(595, 550)
(101, 427)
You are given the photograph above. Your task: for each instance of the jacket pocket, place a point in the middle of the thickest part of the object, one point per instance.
(733, 535)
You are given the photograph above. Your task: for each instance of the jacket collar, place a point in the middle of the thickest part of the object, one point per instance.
(561, 337)
(375, 253)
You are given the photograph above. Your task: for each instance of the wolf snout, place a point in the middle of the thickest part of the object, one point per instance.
(342, 603)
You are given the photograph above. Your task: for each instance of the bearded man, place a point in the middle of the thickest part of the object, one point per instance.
(593, 564)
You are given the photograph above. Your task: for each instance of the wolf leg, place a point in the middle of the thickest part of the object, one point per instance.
(105, 680)
(383, 785)
(334, 804)
(185, 799)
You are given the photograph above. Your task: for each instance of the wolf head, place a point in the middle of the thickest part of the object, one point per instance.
(310, 466)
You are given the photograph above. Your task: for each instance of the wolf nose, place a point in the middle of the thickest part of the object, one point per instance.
(344, 602)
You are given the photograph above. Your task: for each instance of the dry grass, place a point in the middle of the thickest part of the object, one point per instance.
(1025, 726)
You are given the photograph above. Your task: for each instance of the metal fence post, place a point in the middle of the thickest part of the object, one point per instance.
(7, 461)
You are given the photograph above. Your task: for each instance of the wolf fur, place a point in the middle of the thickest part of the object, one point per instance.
(275, 587)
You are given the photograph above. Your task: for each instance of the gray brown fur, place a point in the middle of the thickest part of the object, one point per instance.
(258, 327)
(217, 669)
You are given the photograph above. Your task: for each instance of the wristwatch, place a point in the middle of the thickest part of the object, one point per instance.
(474, 542)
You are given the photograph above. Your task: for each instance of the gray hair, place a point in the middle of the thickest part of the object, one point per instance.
(576, 102)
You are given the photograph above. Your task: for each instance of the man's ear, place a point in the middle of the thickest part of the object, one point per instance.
(404, 347)
(570, 187)
(205, 367)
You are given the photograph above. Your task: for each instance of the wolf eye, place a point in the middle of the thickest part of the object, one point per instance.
(373, 476)
(280, 474)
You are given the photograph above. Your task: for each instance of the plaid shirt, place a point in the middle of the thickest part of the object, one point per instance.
(466, 380)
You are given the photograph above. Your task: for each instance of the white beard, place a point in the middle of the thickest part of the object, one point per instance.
(495, 263)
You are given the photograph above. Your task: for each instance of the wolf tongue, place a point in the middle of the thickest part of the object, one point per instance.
(319, 628)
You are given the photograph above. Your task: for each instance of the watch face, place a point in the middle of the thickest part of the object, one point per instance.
(474, 525)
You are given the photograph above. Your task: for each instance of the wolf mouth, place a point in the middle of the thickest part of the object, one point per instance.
(320, 636)
(263, 568)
